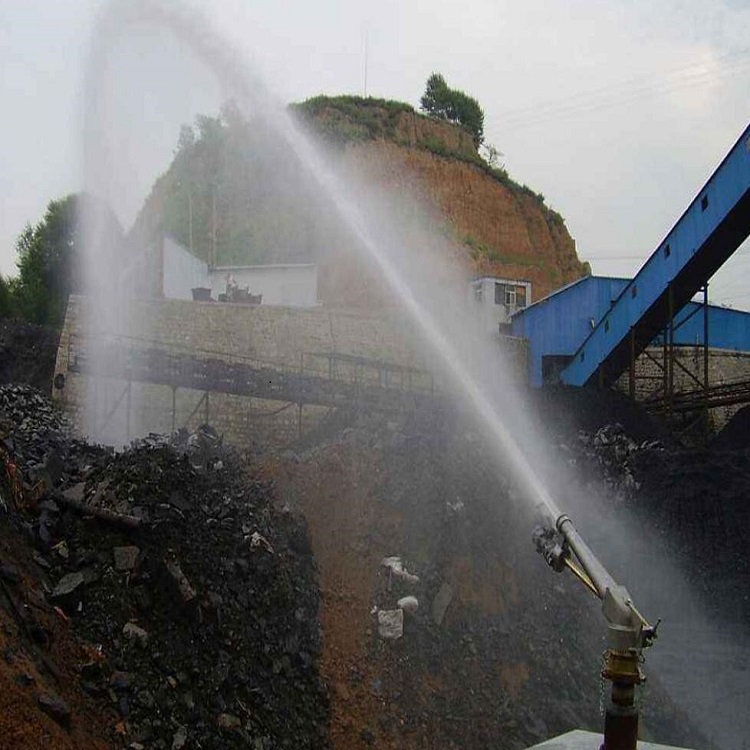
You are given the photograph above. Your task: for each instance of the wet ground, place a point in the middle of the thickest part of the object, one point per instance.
(501, 652)
(515, 656)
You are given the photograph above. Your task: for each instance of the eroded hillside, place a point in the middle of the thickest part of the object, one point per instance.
(496, 226)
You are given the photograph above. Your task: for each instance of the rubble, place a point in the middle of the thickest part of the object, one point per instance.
(396, 567)
(55, 708)
(67, 585)
(390, 623)
(616, 454)
(183, 573)
(125, 558)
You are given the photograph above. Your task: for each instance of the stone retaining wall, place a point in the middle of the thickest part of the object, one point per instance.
(724, 367)
(279, 337)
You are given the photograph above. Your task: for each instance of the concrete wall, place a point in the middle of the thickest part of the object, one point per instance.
(290, 285)
(491, 312)
(182, 271)
(284, 338)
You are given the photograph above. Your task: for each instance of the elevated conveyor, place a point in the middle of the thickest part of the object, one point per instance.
(711, 229)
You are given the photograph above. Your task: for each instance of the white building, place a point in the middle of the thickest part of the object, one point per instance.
(497, 299)
(287, 284)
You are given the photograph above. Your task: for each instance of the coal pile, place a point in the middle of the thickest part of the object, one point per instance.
(27, 353)
(34, 432)
(695, 499)
(199, 594)
(617, 456)
(736, 432)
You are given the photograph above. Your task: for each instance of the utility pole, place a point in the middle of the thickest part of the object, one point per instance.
(190, 217)
(364, 81)
(212, 262)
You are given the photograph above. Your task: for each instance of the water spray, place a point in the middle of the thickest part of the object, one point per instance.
(559, 542)
(628, 632)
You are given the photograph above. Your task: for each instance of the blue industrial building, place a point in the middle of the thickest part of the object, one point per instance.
(556, 325)
(712, 227)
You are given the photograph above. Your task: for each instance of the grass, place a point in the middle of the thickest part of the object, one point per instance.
(478, 250)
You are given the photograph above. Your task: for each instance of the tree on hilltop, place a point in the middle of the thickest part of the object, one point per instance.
(445, 103)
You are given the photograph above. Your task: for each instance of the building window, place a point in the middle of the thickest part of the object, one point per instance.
(500, 293)
(513, 296)
(521, 296)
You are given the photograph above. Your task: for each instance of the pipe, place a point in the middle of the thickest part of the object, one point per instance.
(599, 576)
(628, 633)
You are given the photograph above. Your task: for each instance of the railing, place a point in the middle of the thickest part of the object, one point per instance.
(326, 378)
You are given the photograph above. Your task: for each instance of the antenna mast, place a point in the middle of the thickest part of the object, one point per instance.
(364, 81)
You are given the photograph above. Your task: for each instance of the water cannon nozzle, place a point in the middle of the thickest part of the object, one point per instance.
(551, 546)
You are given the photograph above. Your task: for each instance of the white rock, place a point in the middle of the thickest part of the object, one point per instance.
(409, 604)
(396, 567)
(390, 623)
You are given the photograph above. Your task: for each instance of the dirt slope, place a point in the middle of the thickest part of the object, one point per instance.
(500, 653)
(498, 227)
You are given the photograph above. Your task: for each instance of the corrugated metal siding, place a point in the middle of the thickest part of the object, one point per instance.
(708, 232)
(727, 329)
(557, 325)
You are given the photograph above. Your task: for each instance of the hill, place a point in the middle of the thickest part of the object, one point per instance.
(236, 195)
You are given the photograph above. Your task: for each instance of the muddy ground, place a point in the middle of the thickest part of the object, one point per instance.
(501, 652)
(516, 655)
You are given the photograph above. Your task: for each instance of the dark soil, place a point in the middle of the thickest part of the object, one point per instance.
(516, 657)
(735, 434)
(208, 636)
(27, 353)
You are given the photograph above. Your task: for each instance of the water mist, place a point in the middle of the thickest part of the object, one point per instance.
(401, 246)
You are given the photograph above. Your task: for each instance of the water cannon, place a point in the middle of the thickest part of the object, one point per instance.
(628, 632)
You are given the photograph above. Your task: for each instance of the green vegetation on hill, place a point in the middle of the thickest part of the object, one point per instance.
(343, 119)
(233, 194)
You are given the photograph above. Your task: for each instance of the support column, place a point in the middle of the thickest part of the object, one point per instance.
(127, 412)
(631, 383)
(706, 383)
(670, 351)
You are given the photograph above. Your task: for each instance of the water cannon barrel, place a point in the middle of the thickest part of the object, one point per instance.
(598, 574)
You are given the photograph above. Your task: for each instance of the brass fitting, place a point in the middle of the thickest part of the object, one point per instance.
(623, 667)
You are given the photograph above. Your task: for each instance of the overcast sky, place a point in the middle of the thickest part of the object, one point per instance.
(616, 110)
